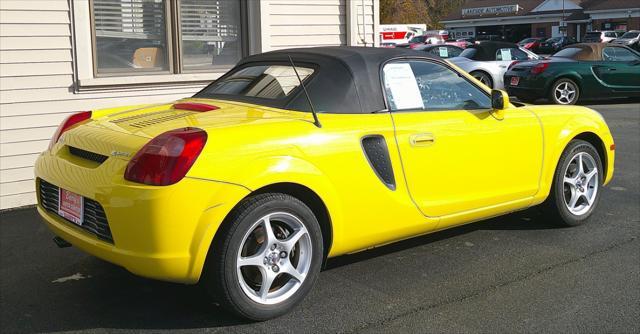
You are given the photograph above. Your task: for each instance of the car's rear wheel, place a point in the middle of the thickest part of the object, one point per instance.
(266, 258)
(564, 91)
(576, 185)
(483, 77)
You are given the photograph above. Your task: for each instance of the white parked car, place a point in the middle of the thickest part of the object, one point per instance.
(488, 61)
(601, 36)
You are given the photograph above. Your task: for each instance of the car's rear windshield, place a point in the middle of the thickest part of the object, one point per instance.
(553, 40)
(528, 40)
(568, 53)
(469, 53)
(630, 34)
(418, 39)
(261, 81)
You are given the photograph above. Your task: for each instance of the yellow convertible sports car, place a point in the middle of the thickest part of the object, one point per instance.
(298, 155)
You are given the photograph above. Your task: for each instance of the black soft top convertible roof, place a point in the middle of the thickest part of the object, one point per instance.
(486, 50)
(346, 80)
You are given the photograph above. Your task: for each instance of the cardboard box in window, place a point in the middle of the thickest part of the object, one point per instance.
(148, 57)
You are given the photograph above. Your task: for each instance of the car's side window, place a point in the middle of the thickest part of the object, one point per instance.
(428, 86)
(511, 54)
(442, 52)
(618, 54)
(453, 52)
(608, 54)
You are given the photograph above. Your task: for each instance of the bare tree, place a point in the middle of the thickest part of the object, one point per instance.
(429, 12)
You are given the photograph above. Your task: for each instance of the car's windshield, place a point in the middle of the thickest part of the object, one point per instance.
(262, 81)
(554, 40)
(630, 34)
(567, 53)
(528, 40)
(418, 39)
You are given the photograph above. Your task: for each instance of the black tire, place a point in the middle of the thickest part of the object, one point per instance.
(483, 77)
(573, 99)
(221, 276)
(555, 207)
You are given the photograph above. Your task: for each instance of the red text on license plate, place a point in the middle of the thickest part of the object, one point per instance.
(70, 206)
(515, 81)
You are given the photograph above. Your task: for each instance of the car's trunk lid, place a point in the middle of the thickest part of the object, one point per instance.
(121, 133)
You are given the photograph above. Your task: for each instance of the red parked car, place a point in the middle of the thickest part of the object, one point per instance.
(461, 43)
(532, 43)
(421, 40)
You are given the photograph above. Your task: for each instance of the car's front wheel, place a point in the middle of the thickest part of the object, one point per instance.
(564, 91)
(576, 185)
(266, 258)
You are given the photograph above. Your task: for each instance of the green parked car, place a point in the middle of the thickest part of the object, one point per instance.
(577, 72)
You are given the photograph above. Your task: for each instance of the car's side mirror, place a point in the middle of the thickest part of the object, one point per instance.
(499, 99)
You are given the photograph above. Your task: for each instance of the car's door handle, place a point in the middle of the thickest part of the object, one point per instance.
(422, 139)
(611, 69)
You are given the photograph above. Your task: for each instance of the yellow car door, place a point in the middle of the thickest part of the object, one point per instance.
(457, 155)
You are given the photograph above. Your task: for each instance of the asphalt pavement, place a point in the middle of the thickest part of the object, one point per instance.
(510, 274)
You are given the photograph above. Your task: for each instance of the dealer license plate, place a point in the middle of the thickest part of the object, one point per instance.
(70, 206)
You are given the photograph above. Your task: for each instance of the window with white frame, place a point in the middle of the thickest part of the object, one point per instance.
(166, 36)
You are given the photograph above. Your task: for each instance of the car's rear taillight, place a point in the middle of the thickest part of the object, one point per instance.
(167, 158)
(513, 63)
(539, 68)
(67, 124)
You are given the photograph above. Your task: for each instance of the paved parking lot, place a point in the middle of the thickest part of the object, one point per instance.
(510, 274)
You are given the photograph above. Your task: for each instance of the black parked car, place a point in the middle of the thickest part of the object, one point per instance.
(554, 44)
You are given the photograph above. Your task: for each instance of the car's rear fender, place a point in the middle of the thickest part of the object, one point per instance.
(280, 169)
(555, 76)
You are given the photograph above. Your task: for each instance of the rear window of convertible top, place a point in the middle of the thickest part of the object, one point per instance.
(263, 81)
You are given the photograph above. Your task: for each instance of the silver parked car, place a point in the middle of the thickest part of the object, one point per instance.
(631, 39)
(487, 61)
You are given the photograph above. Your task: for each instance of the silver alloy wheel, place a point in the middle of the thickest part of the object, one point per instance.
(580, 185)
(482, 78)
(565, 92)
(274, 258)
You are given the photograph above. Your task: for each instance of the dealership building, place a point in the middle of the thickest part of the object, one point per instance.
(62, 56)
(518, 19)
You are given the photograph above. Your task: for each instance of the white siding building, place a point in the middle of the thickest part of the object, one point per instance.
(62, 56)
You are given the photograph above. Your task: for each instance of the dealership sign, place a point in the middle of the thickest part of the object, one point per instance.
(495, 10)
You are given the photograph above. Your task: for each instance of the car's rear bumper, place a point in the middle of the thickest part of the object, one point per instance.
(158, 232)
(525, 92)
(529, 87)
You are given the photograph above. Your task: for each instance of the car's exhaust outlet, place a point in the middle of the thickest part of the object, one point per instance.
(61, 242)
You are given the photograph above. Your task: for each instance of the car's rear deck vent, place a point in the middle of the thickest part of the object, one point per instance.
(87, 155)
(147, 119)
